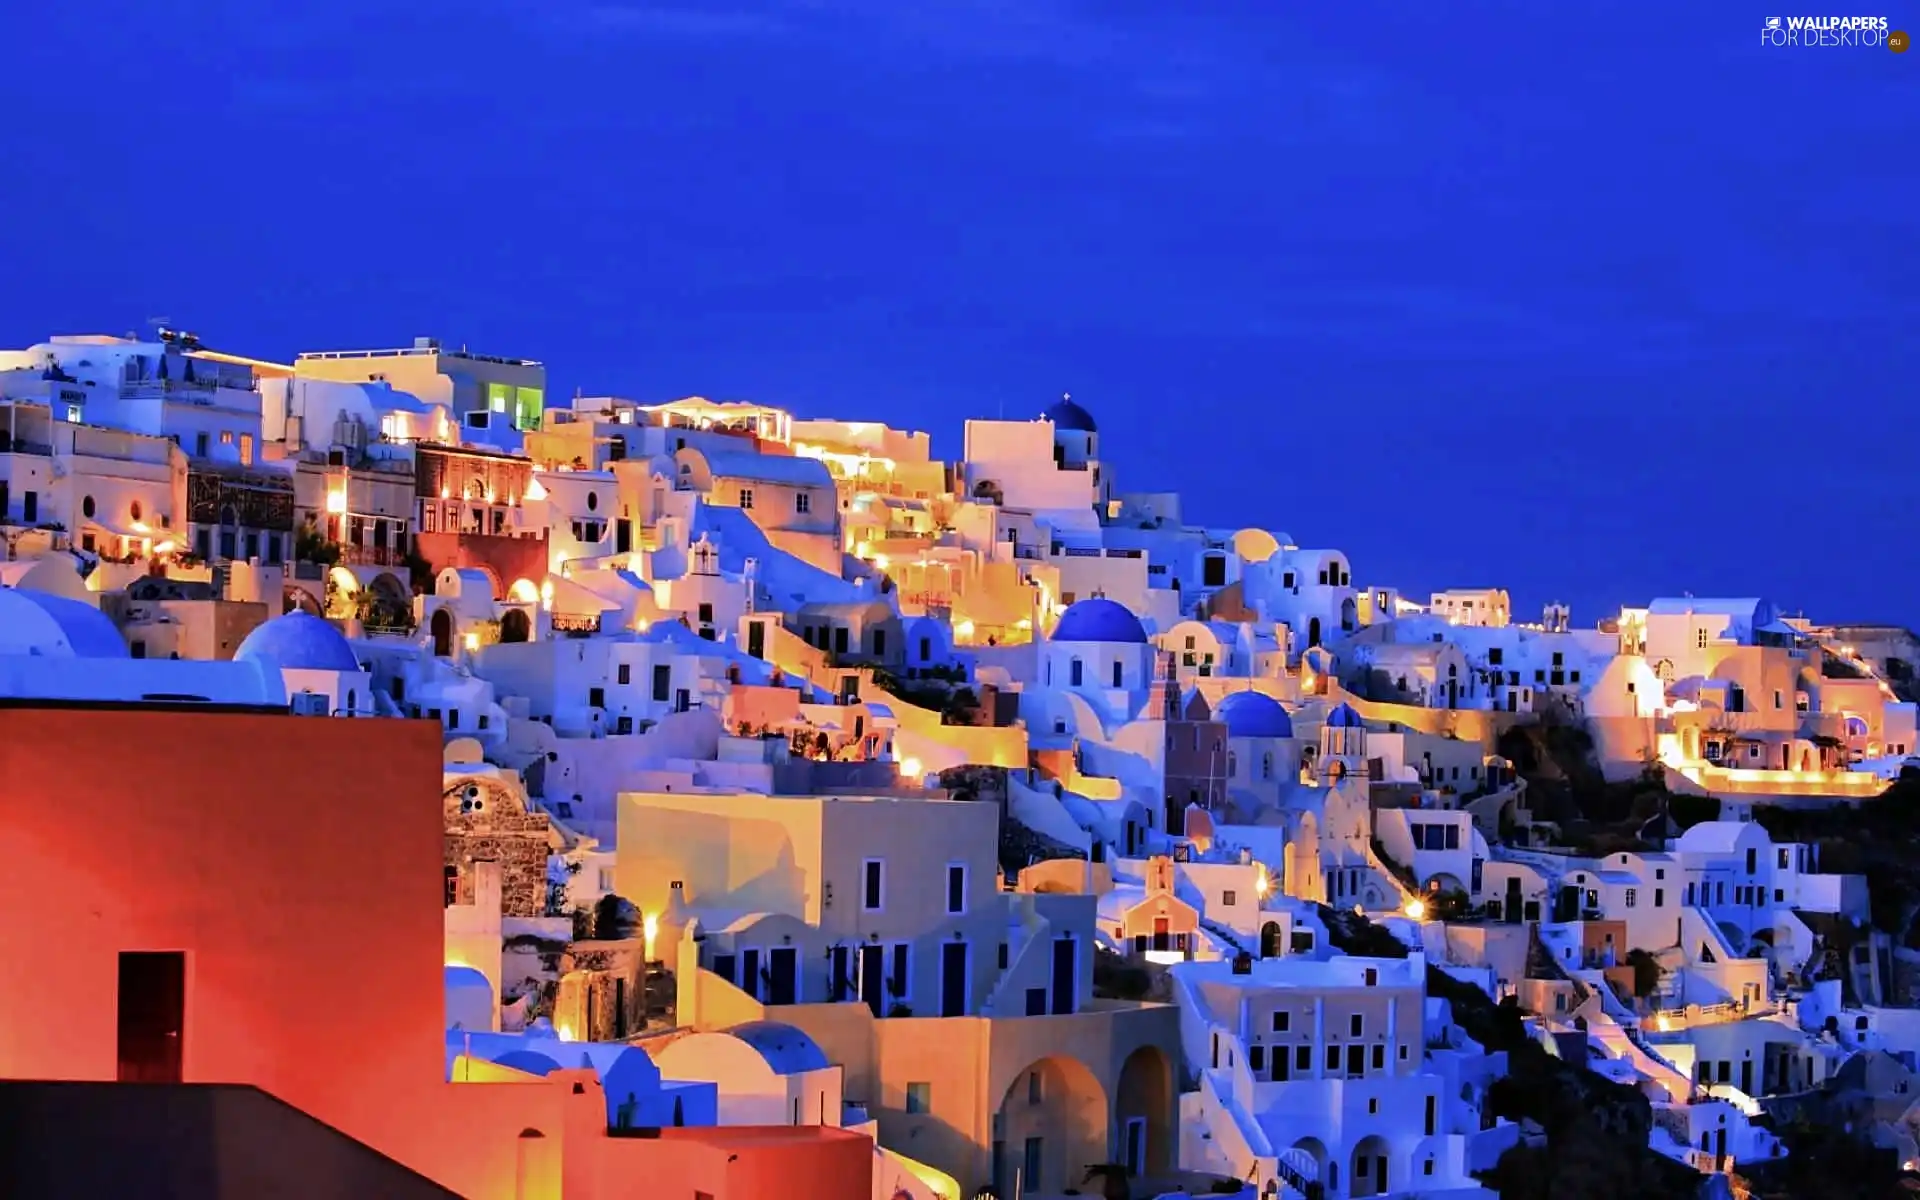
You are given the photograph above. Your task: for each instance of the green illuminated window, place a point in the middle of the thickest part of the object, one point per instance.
(498, 396)
(527, 407)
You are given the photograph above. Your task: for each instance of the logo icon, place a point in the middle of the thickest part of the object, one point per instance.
(1898, 41)
(1773, 23)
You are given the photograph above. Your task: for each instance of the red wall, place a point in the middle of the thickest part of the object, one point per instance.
(297, 862)
(509, 558)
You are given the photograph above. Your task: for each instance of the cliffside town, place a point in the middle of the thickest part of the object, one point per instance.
(465, 793)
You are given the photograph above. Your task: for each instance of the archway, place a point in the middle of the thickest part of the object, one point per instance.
(1052, 1126)
(1313, 632)
(514, 626)
(1349, 615)
(343, 593)
(1369, 1173)
(524, 591)
(1270, 940)
(442, 626)
(1143, 1113)
(388, 603)
(1305, 1164)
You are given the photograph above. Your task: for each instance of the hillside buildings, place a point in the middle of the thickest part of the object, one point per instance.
(688, 795)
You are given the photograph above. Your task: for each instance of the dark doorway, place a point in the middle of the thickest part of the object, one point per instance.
(1513, 900)
(750, 971)
(1162, 933)
(514, 626)
(1313, 632)
(623, 534)
(1064, 961)
(1270, 940)
(757, 639)
(442, 626)
(783, 975)
(873, 987)
(153, 1014)
(953, 979)
(841, 959)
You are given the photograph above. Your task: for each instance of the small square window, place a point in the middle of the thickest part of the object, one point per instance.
(919, 1098)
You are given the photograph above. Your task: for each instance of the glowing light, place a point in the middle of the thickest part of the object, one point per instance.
(964, 629)
(164, 548)
(910, 768)
(535, 489)
(337, 500)
(863, 550)
(565, 1031)
(473, 641)
(546, 594)
(880, 561)
(140, 527)
(1023, 623)
(1261, 884)
(1416, 909)
(1663, 1022)
(649, 926)
(642, 625)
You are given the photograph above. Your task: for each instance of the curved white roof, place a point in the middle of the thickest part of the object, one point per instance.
(40, 623)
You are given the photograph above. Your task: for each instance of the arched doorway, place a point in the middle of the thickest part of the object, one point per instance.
(1305, 1166)
(442, 626)
(1369, 1172)
(514, 626)
(1143, 1113)
(1270, 940)
(1313, 632)
(1052, 1125)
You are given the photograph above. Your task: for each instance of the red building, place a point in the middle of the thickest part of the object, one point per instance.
(198, 895)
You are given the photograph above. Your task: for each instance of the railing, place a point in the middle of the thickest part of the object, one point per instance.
(576, 625)
(1021, 550)
(372, 556)
(18, 446)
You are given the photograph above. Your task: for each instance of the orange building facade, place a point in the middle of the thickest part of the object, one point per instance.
(198, 895)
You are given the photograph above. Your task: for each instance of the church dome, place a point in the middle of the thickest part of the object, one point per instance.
(56, 627)
(1071, 417)
(1253, 715)
(1345, 717)
(1099, 620)
(298, 641)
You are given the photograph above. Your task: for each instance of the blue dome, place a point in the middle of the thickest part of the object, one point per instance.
(1099, 620)
(787, 1050)
(298, 641)
(1344, 717)
(1070, 416)
(1253, 715)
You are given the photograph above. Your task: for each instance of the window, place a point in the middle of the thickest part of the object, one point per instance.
(1379, 1058)
(1117, 676)
(1227, 899)
(1034, 1093)
(919, 1098)
(705, 613)
(873, 876)
(746, 497)
(1633, 897)
(956, 888)
(624, 674)
(1302, 1059)
(662, 683)
(1699, 639)
(1281, 1020)
(1074, 673)
(1356, 1025)
(596, 697)
(802, 502)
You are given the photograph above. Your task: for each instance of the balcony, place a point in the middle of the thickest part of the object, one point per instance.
(11, 445)
(372, 556)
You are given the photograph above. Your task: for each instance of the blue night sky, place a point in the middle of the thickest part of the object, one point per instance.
(1532, 294)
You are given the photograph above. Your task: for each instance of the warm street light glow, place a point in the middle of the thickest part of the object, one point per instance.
(1416, 909)
(337, 500)
(910, 768)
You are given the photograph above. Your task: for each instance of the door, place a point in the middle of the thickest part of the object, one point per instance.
(873, 978)
(1746, 1077)
(757, 639)
(622, 536)
(1134, 1154)
(1513, 900)
(839, 962)
(1161, 933)
(1029, 1180)
(1063, 975)
(152, 1016)
(953, 979)
(750, 973)
(783, 970)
